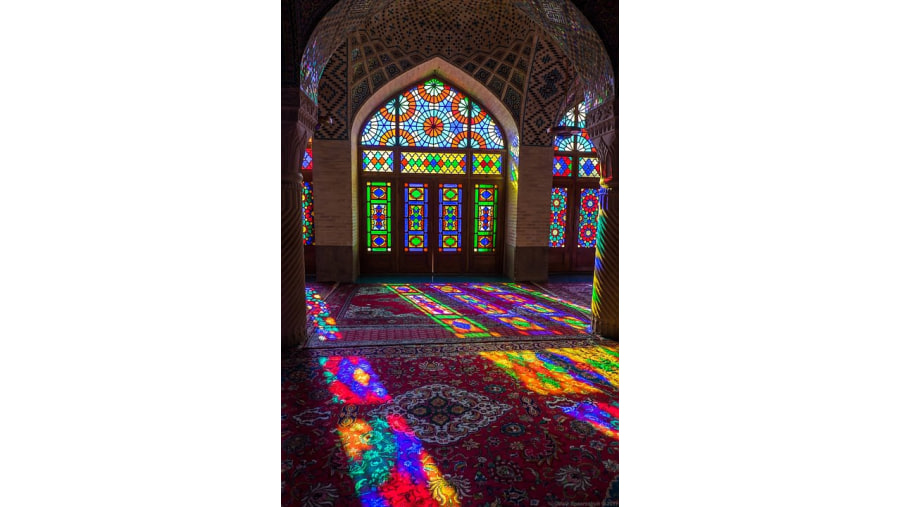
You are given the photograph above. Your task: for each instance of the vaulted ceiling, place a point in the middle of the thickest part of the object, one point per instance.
(499, 43)
(300, 17)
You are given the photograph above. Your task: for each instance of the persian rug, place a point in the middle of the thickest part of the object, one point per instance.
(578, 293)
(386, 314)
(322, 289)
(480, 424)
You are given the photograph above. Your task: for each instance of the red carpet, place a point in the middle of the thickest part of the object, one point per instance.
(388, 314)
(515, 423)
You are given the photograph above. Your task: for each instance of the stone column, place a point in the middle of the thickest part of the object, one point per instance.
(296, 126)
(603, 129)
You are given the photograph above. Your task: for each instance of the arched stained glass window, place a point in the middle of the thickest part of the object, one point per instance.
(433, 115)
(443, 152)
(576, 192)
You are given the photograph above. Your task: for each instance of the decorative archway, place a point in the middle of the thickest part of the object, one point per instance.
(431, 165)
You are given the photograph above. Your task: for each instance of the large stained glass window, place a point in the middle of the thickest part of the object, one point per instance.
(577, 173)
(485, 217)
(378, 214)
(445, 156)
(416, 227)
(451, 217)
(558, 217)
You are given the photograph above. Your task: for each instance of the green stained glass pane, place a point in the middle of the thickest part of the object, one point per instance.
(378, 214)
(485, 217)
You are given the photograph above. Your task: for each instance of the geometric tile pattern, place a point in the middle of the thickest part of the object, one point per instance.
(333, 97)
(550, 76)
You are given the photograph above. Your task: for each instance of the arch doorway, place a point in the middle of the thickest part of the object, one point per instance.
(432, 165)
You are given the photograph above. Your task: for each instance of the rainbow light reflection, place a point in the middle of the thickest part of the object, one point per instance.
(502, 293)
(387, 463)
(323, 324)
(537, 293)
(521, 324)
(582, 370)
(386, 460)
(460, 326)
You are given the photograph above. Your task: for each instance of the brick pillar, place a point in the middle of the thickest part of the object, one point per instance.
(296, 127)
(603, 129)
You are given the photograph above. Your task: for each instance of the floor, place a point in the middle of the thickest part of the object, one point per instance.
(439, 392)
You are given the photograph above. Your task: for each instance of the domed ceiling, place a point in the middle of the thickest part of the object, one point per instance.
(494, 42)
(476, 35)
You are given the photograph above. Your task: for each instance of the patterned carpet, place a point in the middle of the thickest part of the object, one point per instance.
(481, 394)
(578, 293)
(390, 314)
(480, 424)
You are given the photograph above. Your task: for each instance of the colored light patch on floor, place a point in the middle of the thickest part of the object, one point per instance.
(370, 455)
(521, 324)
(406, 313)
(603, 360)
(603, 417)
(547, 297)
(459, 325)
(322, 325)
(503, 292)
(389, 467)
(351, 380)
(573, 322)
(545, 374)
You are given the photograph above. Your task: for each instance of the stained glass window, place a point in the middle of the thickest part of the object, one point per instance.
(558, 217)
(485, 132)
(433, 163)
(583, 143)
(378, 199)
(451, 208)
(427, 130)
(485, 217)
(427, 114)
(575, 151)
(380, 129)
(307, 163)
(309, 231)
(589, 167)
(562, 166)
(486, 163)
(564, 143)
(433, 115)
(575, 117)
(587, 218)
(415, 201)
(380, 161)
